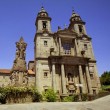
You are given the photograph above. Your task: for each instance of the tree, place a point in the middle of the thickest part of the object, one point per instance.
(105, 78)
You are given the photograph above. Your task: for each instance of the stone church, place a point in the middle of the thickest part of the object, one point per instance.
(63, 60)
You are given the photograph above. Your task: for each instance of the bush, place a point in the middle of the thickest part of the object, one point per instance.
(49, 95)
(68, 99)
(37, 97)
(2, 98)
(75, 98)
(103, 93)
(84, 97)
(19, 95)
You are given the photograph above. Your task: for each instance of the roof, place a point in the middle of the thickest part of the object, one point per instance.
(6, 71)
(31, 72)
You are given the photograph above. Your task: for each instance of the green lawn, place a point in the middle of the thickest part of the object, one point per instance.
(104, 87)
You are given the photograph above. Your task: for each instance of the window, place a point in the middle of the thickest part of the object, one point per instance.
(44, 23)
(85, 46)
(91, 76)
(45, 43)
(45, 90)
(94, 91)
(80, 28)
(67, 48)
(45, 74)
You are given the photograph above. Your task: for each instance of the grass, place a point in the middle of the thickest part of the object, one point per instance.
(105, 87)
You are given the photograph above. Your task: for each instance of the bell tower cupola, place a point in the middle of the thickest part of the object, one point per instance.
(43, 21)
(77, 24)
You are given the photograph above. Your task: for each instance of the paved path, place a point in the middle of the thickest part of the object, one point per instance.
(99, 104)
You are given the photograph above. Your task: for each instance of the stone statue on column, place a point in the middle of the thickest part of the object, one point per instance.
(19, 75)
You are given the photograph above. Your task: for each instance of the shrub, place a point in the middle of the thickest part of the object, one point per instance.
(84, 97)
(36, 97)
(2, 98)
(19, 95)
(103, 93)
(75, 98)
(68, 99)
(72, 98)
(49, 95)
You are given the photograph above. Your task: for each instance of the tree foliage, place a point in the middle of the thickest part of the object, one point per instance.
(105, 78)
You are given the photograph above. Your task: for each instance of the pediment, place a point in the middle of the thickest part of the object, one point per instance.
(67, 33)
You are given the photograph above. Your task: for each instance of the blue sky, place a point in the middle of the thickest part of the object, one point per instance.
(17, 18)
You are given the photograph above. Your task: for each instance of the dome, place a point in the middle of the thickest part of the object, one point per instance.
(75, 17)
(42, 13)
(74, 14)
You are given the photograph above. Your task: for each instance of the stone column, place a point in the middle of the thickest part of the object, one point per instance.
(88, 80)
(97, 77)
(76, 80)
(76, 46)
(53, 77)
(60, 47)
(37, 77)
(81, 79)
(78, 89)
(63, 79)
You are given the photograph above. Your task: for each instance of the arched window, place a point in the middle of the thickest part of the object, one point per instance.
(80, 28)
(44, 24)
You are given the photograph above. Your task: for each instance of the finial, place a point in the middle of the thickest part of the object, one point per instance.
(42, 9)
(21, 39)
(72, 9)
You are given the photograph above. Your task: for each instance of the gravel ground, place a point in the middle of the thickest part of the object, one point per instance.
(99, 104)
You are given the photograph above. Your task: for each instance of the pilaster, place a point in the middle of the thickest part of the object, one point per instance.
(63, 80)
(88, 80)
(82, 79)
(53, 77)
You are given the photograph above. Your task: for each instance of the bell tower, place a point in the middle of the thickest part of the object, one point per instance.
(43, 21)
(77, 24)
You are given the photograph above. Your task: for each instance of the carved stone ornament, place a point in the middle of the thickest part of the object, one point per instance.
(19, 62)
(19, 70)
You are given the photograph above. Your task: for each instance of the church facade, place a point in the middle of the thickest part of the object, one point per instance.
(64, 60)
